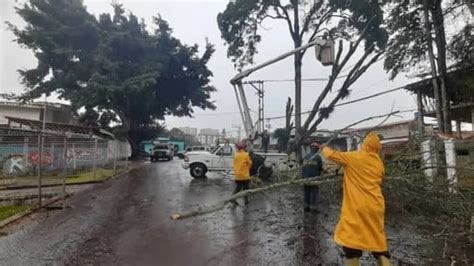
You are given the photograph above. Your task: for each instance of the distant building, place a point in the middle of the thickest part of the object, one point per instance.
(55, 112)
(192, 131)
(208, 136)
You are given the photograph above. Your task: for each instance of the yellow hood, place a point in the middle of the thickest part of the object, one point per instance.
(372, 143)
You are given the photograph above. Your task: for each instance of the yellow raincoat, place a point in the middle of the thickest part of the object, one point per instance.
(361, 224)
(242, 165)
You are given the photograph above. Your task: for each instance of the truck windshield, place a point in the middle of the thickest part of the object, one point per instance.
(161, 147)
(215, 149)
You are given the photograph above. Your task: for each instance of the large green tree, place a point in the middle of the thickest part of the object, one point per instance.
(419, 39)
(110, 67)
(349, 23)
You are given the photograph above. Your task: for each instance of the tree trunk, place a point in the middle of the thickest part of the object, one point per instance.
(134, 139)
(471, 6)
(297, 40)
(440, 36)
(439, 114)
(289, 113)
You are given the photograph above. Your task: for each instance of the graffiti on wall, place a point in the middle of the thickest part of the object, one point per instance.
(84, 155)
(9, 151)
(16, 165)
(34, 158)
(15, 160)
(12, 160)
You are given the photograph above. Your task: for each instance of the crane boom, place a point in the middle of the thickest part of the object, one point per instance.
(236, 82)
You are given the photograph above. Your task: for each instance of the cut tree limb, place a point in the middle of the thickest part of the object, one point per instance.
(219, 206)
(328, 179)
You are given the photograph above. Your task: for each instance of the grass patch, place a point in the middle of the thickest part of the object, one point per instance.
(72, 178)
(101, 174)
(8, 211)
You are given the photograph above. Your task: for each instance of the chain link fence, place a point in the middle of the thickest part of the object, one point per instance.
(43, 165)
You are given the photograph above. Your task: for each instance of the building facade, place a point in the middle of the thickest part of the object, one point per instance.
(192, 131)
(55, 112)
(208, 136)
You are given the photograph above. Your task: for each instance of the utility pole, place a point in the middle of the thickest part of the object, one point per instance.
(258, 85)
(269, 125)
(40, 152)
(239, 128)
(431, 57)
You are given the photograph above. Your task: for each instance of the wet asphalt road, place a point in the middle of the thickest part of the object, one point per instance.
(126, 222)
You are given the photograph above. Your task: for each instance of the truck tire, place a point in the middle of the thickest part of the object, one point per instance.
(198, 170)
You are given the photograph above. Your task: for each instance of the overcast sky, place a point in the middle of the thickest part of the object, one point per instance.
(193, 22)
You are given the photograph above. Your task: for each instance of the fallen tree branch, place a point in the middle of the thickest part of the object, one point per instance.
(219, 206)
(329, 179)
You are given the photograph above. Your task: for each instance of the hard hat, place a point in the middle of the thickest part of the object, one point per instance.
(241, 145)
(315, 144)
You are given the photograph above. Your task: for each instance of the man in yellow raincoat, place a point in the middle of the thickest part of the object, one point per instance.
(361, 224)
(242, 165)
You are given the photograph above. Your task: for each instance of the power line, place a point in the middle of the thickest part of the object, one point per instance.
(292, 80)
(218, 114)
(369, 97)
(346, 103)
(224, 113)
(307, 112)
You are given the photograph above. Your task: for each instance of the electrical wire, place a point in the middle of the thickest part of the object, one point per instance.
(345, 103)
(292, 80)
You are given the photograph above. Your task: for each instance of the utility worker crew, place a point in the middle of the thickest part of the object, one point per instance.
(242, 165)
(361, 224)
(312, 167)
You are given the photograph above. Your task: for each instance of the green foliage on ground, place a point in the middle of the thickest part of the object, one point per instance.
(8, 211)
(83, 177)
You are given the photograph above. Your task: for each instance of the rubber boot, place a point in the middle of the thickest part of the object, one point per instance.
(351, 262)
(383, 261)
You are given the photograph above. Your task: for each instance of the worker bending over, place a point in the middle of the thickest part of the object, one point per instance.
(361, 224)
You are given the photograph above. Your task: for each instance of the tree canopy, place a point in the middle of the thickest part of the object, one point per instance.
(408, 45)
(348, 23)
(111, 67)
(420, 43)
(240, 23)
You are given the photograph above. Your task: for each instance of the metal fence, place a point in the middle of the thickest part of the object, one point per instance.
(52, 162)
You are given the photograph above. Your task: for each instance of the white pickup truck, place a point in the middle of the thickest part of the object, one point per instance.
(221, 159)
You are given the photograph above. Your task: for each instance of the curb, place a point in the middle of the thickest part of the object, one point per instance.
(21, 215)
(51, 185)
(24, 214)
